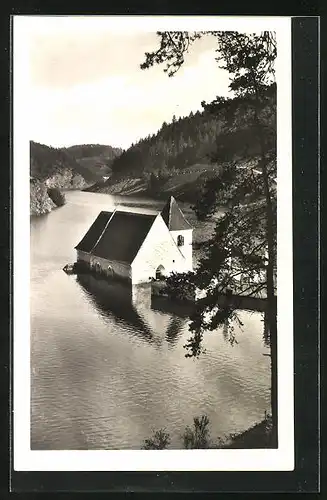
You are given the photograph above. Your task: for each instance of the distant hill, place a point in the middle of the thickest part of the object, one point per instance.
(95, 158)
(178, 158)
(76, 167)
(93, 150)
(47, 162)
(90, 161)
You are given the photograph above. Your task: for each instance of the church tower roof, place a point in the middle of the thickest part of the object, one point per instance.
(174, 217)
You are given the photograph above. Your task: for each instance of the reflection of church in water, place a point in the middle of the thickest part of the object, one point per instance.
(153, 318)
(126, 252)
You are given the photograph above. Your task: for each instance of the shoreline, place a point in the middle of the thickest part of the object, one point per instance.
(258, 436)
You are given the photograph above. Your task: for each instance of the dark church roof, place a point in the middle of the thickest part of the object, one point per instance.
(173, 216)
(117, 236)
(91, 237)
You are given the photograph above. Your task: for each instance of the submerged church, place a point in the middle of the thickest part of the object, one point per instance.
(138, 247)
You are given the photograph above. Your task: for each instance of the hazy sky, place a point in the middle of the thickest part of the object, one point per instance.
(87, 86)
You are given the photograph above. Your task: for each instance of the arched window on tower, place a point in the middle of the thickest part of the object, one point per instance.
(180, 240)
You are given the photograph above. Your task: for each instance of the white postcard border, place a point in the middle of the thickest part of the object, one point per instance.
(26, 459)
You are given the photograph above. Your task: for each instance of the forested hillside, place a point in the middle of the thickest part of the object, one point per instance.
(175, 146)
(185, 152)
(93, 150)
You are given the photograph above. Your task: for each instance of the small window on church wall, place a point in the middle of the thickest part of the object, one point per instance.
(180, 240)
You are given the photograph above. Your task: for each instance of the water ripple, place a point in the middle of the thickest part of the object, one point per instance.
(105, 371)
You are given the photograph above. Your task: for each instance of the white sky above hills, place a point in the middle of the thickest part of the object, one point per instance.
(86, 85)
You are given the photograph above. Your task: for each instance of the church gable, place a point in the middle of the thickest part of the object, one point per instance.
(174, 217)
(157, 251)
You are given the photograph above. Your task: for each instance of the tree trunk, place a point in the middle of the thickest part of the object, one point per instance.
(271, 307)
(271, 303)
(274, 381)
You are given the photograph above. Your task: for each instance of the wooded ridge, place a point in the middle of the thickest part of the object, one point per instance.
(179, 158)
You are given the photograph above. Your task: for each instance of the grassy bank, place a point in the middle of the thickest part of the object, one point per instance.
(258, 436)
(183, 184)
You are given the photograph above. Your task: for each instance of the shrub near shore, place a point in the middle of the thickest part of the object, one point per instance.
(43, 199)
(57, 196)
(198, 436)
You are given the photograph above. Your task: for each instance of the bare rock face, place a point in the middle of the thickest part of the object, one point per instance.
(78, 182)
(40, 202)
(55, 169)
(66, 179)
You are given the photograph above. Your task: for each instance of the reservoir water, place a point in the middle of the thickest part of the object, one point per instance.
(108, 367)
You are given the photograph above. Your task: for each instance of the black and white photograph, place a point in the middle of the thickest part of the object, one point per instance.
(153, 243)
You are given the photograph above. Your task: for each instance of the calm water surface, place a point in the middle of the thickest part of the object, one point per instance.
(108, 367)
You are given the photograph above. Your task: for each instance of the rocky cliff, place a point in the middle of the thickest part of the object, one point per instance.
(53, 168)
(40, 201)
(76, 167)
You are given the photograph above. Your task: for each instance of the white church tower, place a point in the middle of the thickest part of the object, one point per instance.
(180, 230)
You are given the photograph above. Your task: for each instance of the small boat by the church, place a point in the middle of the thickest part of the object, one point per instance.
(70, 268)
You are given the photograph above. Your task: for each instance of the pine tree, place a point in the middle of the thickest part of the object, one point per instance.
(244, 243)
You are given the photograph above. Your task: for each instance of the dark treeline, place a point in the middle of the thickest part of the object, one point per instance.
(47, 161)
(91, 150)
(190, 140)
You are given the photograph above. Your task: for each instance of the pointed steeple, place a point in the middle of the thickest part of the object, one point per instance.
(173, 216)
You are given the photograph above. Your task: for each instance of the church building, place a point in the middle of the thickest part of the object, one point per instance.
(136, 246)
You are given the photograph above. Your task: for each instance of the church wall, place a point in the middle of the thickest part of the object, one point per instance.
(117, 269)
(111, 268)
(157, 249)
(83, 256)
(186, 249)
